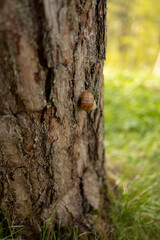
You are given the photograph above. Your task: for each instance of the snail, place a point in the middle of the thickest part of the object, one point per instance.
(87, 101)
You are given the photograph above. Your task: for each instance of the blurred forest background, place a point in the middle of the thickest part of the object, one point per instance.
(133, 33)
(132, 117)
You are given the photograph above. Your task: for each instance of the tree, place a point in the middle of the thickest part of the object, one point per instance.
(52, 154)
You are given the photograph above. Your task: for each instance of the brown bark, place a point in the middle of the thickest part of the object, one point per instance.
(51, 151)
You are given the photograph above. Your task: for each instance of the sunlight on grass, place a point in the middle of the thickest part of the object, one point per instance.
(132, 129)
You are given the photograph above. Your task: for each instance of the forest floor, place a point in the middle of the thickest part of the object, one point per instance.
(132, 142)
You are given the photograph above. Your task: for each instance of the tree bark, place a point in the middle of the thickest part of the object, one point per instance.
(51, 152)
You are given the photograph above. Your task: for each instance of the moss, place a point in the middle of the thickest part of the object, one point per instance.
(96, 212)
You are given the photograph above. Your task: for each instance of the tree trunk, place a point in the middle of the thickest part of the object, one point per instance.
(51, 151)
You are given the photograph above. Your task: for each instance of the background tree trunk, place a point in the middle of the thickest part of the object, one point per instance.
(51, 151)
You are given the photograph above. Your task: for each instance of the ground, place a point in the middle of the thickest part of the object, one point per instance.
(132, 116)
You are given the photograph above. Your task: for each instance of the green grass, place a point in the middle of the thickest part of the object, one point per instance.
(8, 232)
(132, 141)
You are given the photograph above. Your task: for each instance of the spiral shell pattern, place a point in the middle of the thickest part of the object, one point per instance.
(87, 101)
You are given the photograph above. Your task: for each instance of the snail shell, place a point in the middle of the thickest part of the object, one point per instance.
(87, 101)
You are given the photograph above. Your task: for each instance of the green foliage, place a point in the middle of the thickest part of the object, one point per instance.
(133, 33)
(132, 129)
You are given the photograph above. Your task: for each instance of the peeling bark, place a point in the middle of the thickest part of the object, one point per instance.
(51, 151)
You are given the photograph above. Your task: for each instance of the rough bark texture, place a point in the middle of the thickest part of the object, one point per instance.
(51, 151)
